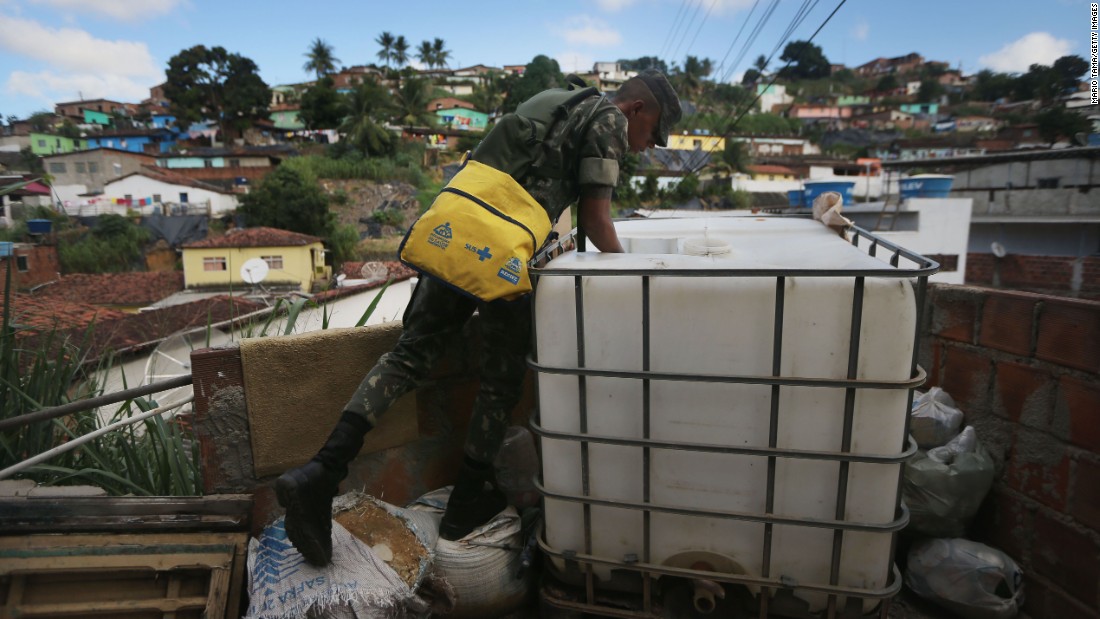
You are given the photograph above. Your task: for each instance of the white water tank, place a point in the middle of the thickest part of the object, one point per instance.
(725, 326)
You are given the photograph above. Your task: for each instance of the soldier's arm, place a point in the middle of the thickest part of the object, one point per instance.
(594, 217)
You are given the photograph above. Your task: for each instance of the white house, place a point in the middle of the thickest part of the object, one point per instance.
(154, 190)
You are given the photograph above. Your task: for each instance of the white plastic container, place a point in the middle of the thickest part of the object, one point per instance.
(724, 326)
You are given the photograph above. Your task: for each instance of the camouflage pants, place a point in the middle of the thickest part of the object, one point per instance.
(434, 316)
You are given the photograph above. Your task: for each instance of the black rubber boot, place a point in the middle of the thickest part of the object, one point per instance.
(474, 500)
(306, 492)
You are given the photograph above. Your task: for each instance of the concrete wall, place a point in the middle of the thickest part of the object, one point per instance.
(299, 264)
(144, 187)
(1024, 370)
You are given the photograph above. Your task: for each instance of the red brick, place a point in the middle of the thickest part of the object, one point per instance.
(979, 268)
(1085, 497)
(1005, 522)
(1006, 324)
(1038, 467)
(1067, 557)
(966, 376)
(953, 317)
(1069, 334)
(1023, 387)
(1080, 400)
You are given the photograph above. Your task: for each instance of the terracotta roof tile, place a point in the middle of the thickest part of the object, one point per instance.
(256, 237)
(770, 169)
(143, 288)
(43, 314)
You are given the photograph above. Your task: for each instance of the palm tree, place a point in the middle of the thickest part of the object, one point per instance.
(321, 61)
(400, 53)
(425, 54)
(386, 40)
(441, 55)
(412, 103)
(368, 105)
(761, 64)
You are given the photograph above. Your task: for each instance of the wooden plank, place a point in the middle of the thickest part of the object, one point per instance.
(112, 606)
(160, 563)
(237, 579)
(230, 512)
(173, 591)
(218, 595)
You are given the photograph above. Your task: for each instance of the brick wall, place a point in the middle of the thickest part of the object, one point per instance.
(42, 266)
(1025, 370)
(1079, 276)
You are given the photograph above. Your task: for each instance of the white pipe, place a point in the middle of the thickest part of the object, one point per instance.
(77, 442)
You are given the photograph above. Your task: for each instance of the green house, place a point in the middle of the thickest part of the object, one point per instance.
(92, 117)
(287, 120)
(47, 144)
(462, 119)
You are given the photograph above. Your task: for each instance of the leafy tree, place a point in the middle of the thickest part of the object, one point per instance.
(288, 199)
(1040, 82)
(41, 120)
(807, 61)
(992, 86)
(930, 90)
(1057, 122)
(689, 79)
(541, 73)
(400, 51)
(386, 41)
(32, 162)
(650, 188)
(887, 83)
(344, 242)
(751, 77)
(321, 60)
(643, 63)
(736, 155)
(114, 245)
(412, 102)
(368, 108)
(211, 83)
(68, 130)
(321, 106)
(1070, 69)
(761, 63)
(686, 189)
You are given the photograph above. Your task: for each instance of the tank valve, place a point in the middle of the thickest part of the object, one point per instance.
(705, 592)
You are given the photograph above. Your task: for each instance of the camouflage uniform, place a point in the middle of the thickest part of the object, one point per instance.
(436, 312)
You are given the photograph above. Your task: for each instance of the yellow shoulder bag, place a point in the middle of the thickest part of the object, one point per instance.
(479, 234)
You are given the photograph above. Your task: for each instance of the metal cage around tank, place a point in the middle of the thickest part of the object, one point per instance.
(584, 594)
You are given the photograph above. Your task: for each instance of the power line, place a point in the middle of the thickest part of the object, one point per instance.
(760, 91)
(744, 23)
(764, 19)
(697, 30)
(675, 25)
(683, 36)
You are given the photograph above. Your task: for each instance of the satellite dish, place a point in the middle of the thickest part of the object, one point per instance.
(374, 271)
(997, 249)
(254, 270)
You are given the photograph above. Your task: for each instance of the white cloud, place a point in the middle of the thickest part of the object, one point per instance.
(75, 50)
(614, 5)
(50, 87)
(860, 30)
(128, 10)
(575, 62)
(1033, 48)
(584, 30)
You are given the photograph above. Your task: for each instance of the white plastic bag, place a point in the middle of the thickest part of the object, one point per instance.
(935, 419)
(944, 487)
(968, 578)
(826, 209)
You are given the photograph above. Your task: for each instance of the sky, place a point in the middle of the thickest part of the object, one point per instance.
(65, 50)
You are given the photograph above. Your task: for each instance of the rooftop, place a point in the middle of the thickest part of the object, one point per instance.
(256, 237)
(134, 289)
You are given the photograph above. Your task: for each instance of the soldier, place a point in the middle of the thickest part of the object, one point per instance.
(588, 142)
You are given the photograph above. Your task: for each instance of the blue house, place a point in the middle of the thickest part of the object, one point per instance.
(134, 140)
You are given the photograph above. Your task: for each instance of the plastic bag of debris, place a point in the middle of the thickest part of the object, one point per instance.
(488, 571)
(945, 486)
(826, 209)
(968, 578)
(380, 569)
(935, 418)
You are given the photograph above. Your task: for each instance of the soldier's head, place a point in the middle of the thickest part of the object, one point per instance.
(651, 108)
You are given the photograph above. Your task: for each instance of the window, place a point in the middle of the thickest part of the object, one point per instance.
(80, 167)
(93, 167)
(21, 263)
(217, 263)
(42, 143)
(156, 198)
(57, 167)
(206, 163)
(273, 262)
(234, 163)
(697, 144)
(183, 197)
(1049, 183)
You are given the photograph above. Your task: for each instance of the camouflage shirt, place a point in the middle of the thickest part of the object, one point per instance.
(590, 157)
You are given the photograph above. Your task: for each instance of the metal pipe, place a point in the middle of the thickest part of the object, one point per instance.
(96, 402)
(77, 442)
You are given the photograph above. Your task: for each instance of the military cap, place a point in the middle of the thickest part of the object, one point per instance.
(666, 99)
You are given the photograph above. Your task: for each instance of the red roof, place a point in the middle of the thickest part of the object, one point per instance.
(44, 314)
(114, 288)
(770, 169)
(256, 237)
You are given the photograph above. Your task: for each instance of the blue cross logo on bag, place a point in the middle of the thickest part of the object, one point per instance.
(441, 236)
